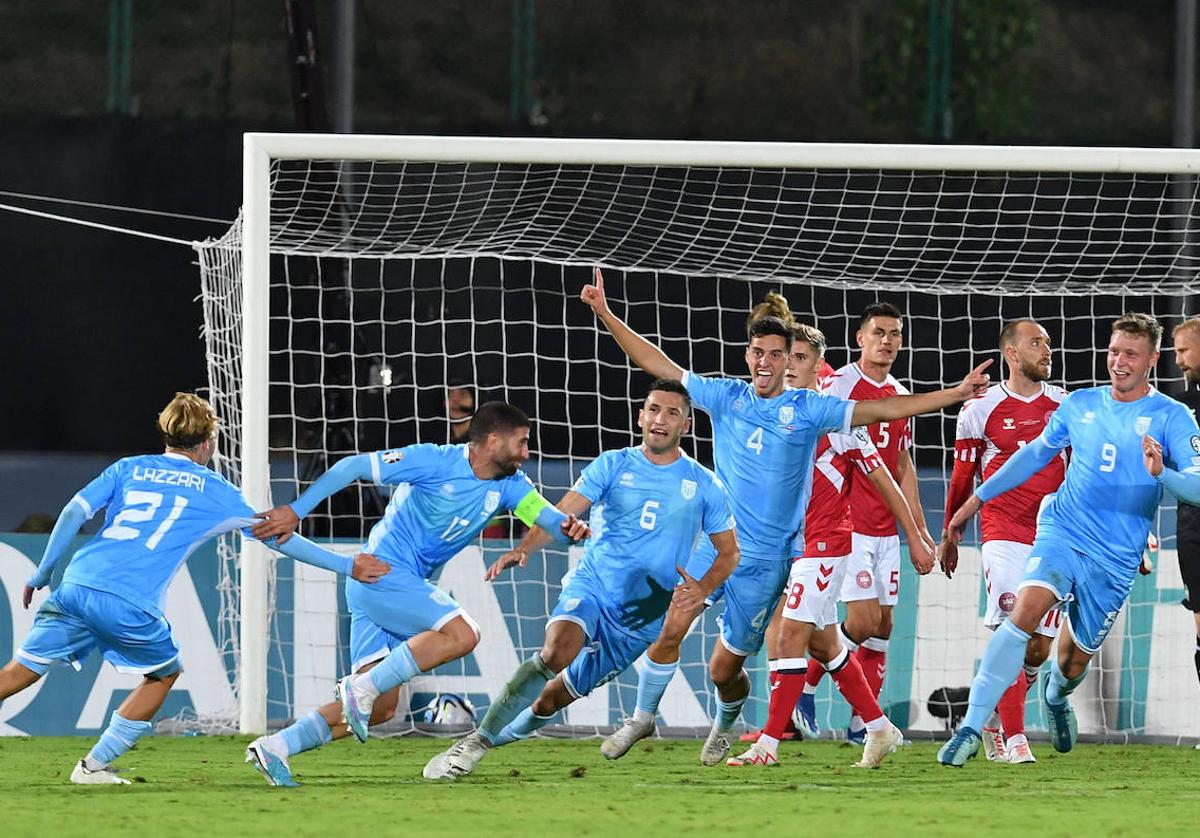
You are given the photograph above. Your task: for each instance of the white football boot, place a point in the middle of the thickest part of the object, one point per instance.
(81, 775)
(757, 754)
(716, 747)
(618, 743)
(879, 744)
(458, 760)
(993, 745)
(1019, 751)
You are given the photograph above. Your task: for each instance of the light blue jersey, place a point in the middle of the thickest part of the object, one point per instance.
(160, 508)
(1108, 501)
(446, 506)
(646, 520)
(764, 451)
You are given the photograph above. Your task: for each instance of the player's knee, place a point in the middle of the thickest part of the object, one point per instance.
(884, 626)
(1037, 651)
(462, 635)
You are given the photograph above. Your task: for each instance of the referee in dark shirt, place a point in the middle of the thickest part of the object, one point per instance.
(1187, 530)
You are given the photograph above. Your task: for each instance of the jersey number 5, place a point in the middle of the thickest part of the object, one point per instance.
(139, 508)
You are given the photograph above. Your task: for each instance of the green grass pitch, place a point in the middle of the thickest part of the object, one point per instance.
(200, 786)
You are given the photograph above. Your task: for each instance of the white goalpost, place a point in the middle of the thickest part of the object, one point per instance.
(367, 275)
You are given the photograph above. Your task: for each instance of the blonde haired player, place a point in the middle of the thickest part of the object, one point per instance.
(161, 507)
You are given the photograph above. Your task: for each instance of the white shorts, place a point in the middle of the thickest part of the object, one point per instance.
(1003, 569)
(872, 569)
(812, 590)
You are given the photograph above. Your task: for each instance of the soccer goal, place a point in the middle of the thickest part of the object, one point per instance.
(368, 277)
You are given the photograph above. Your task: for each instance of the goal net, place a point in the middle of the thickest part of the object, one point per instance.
(371, 285)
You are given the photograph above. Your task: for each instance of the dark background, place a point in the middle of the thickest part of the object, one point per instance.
(98, 329)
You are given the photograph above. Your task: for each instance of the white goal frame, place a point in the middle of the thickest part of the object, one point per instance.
(260, 149)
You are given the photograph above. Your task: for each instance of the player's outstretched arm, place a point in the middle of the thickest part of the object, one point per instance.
(920, 546)
(364, 567)
(901, 407)
(642, 352)
(69, 521)
(282, 521)
(569, 528)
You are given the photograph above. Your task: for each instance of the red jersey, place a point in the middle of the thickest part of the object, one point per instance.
(870, 514)
(990, 430)
(827, 522)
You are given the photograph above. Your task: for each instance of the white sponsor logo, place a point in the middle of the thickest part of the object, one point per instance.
(1141, 425)
(392, 457)
(1009, 424)
(688, 488)
(448, 488)
(491, 501)
(627, 478)
(571, 604)
(1088, 416)
(1033, 563)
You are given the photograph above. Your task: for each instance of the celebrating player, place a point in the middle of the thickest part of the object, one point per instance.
(657, 502)
(765, 440)
(809, 614)
(1091, 534)
(990, 430)
(871, 584)
(161, 507)
(1187, 533)
(406, 625)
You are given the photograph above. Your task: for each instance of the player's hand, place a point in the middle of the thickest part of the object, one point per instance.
(27, 596)
(575, 530)
(920, 553)
(278, 523)
(958, 523)
(1147, 566)
(513, 558)
(976, 382)
(369, 569)
(593, 294)
(1152, 456)
(948, 556)
(689, 594)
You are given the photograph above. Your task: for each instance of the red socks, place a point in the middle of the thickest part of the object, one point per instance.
(1011, 707)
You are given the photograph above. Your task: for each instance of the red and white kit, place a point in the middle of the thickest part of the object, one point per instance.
(816, 577)
(990, 430)
(873, 567)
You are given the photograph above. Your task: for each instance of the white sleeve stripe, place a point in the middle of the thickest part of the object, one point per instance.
(83, 504)
(848, 418)
(375, 478)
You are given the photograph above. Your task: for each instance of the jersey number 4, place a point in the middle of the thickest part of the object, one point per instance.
(754, 441)
(140, 507)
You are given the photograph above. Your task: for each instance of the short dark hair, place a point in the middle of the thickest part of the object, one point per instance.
(764, 326)
(879, 309)
(671, 385)
(495, 418)
(1136, 323)
(1009, 333)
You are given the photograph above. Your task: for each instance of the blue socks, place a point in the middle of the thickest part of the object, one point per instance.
(118, 737)
(521, 690)
(308, 732)
(653, 679)
(396, 669)
(1002, 662)
(727, 712)
(522, 727)
(1059, 686)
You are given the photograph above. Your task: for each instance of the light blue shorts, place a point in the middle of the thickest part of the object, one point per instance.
(1093, 593)
(750, 594)
(380, 620)
(74, 620)
(609, 650)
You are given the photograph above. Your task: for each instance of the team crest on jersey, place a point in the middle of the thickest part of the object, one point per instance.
(491, 501)
(863, 579)
(688, 489)
(786, 414)
(1141, 425)
(1007, 601)
(392, 457)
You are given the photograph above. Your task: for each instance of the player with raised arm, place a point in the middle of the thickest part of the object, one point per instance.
(406, 625)
(871, 585)
(160, 508)
(765, 439)
(657, 502)
(809, 617)
(1091, 534)
(991, 429)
